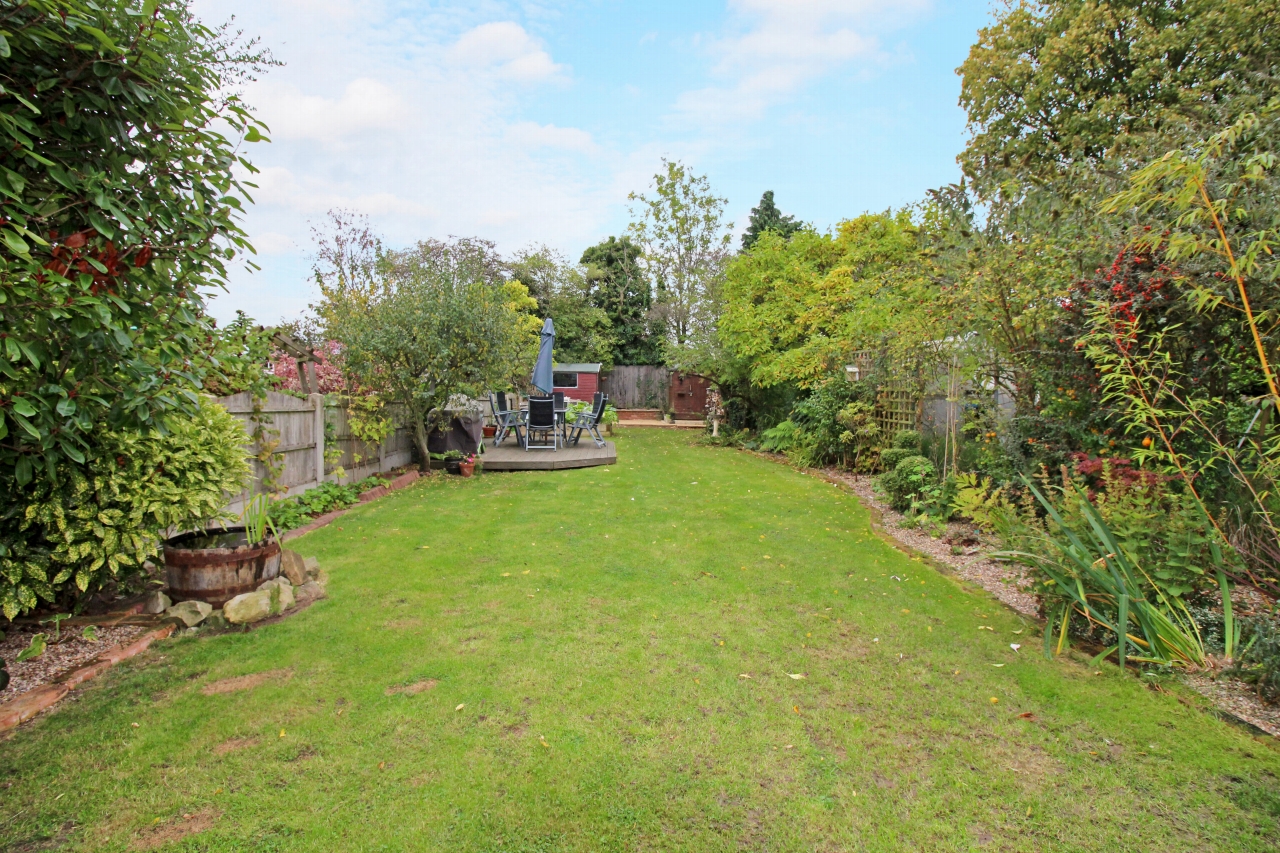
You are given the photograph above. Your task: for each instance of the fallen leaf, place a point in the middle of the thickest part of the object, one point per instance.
(905, 610)
(525, 572)
(744, 675)
(995, 701)
(797, 709)
(796, 675)
(1015, 646)
(1026, 715)
(1019, 631)
(282, 733)
(135, 725)
(461, 706)
(382, 765)
(997, 665)
(543, 741)
(506, 574)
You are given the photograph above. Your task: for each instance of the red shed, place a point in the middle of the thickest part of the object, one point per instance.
(577, 381)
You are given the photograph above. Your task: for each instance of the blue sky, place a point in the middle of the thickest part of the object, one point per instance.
(530, 122)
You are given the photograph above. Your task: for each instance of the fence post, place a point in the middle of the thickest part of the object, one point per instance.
(317, 434)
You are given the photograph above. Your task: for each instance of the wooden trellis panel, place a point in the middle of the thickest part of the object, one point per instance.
(897, 408)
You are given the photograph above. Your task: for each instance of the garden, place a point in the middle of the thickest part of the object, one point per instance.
(979, 547)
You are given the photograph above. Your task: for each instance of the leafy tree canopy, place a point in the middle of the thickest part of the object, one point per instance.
(583, 330)
(619, 287)
(798, 309)
(767, 217)
(1058, 84)
(684, 239)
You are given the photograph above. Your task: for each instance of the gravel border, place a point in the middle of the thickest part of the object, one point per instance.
(58, 657)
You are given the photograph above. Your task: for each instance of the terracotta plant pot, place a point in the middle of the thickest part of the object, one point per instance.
(217, 565)
(490, 431)
(466, 469)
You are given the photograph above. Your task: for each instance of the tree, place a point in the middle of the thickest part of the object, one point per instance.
(767, 217)
(562, 291)
(798, 309)
(119, 209)
(619, 287)
(685, 245)
(1070, 83)
(442, 321)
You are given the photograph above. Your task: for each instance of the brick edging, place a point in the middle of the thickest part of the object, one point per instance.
(17, 711)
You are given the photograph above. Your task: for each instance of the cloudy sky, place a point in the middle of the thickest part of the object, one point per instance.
(530, 122)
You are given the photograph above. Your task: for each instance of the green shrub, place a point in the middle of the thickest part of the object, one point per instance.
(294, 512)
(785, 437)
(1259, 665)
(891, 456)
(908, 482)
(907, 439)
(96, 523)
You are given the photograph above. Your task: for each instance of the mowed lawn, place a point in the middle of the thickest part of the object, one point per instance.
(694, 649)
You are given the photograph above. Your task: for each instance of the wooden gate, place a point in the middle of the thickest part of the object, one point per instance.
(688, 395)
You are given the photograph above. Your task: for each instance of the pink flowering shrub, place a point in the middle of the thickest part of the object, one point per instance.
(328, 376)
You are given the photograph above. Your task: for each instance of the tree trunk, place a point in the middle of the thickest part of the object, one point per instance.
(420, 439)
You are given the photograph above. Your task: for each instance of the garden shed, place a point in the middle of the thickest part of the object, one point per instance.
(576, 381)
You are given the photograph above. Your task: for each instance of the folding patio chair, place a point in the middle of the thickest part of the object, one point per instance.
(589, 422)
(505, 419)
(542, 420)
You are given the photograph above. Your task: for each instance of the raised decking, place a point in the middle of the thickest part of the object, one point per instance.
(512, 457)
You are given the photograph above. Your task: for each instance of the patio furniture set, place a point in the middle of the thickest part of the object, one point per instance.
(543, 425)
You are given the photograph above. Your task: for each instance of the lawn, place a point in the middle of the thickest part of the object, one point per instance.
(694, 649)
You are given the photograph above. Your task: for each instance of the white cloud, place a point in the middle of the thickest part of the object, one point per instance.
(531, 135)
(365, 104)
(780, 45)
(505, 49)
(274, 243)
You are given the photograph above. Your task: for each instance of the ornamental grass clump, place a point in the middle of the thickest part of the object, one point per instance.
(1086, 571)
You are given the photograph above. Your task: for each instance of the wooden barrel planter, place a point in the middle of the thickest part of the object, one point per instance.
(217, 565)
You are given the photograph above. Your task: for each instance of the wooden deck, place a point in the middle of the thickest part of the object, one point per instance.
(512, 457)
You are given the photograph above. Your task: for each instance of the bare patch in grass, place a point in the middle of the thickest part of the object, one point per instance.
(245, 682)
(234, 744)
(412, 689)
(406, 624)
(175, 830)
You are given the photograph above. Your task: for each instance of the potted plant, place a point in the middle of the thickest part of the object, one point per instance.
(467, 466)
(609, 418)
(453, 461)
(490, 430)
(216, 565)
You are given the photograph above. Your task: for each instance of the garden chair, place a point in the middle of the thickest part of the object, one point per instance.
(505, 419)
(542, 420)
(589, 422)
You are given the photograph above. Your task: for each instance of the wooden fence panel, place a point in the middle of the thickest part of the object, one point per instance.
(637, 386)
(294, 427)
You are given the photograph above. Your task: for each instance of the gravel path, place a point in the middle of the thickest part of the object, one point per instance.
(1006, 581)
(58, 657)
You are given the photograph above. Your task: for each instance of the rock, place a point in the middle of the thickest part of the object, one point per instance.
(157, 602)
(312, 566)
(280, 592)
(293, 567)
(309, 592)
(216, 621)
(249, 607)
(192, 613)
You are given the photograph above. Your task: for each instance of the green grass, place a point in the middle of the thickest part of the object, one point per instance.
(603, 706)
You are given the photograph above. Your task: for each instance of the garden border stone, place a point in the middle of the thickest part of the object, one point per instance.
(17, 711)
